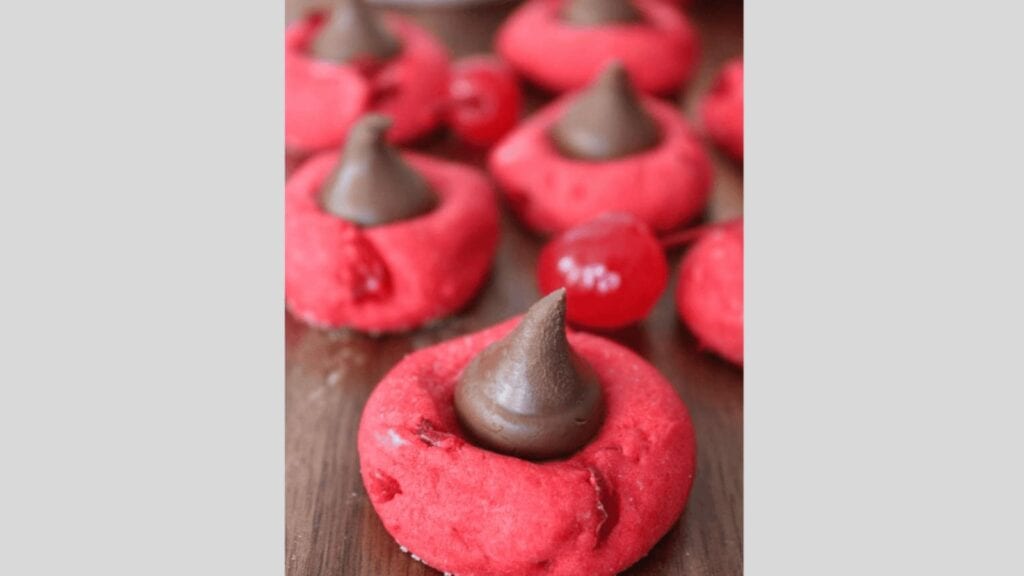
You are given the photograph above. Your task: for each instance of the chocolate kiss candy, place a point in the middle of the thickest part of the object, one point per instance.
(372, 185)
(598, 12)
(606, 121)
(529, 394)
(352, 32)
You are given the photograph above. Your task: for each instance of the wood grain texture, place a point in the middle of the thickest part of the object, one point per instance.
(331, 527)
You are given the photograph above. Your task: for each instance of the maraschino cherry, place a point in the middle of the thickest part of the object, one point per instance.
(485, 101)
(614, 270)
(612, 267)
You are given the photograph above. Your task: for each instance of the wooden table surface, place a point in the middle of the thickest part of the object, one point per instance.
(331, 527)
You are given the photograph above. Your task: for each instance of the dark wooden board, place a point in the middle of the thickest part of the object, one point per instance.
(331, 527)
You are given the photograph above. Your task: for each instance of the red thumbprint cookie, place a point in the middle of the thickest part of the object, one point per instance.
(522, 450)
(721, 111)
(563, 44)
(346, 62)
(603, 149)
(372, 236)
(709, 295)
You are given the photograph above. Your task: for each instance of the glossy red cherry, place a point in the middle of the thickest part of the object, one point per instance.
(485, 100)
(612, 267)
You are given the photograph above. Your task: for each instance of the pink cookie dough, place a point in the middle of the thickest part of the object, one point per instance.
(709, 295)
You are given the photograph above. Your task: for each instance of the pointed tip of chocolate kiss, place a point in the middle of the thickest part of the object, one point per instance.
(369, 130)
(614, 76)
(540, 333)
(549, 311)
(372, 184)
(529, 394)
(599, 12)
(353, 32)
(607, 120)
